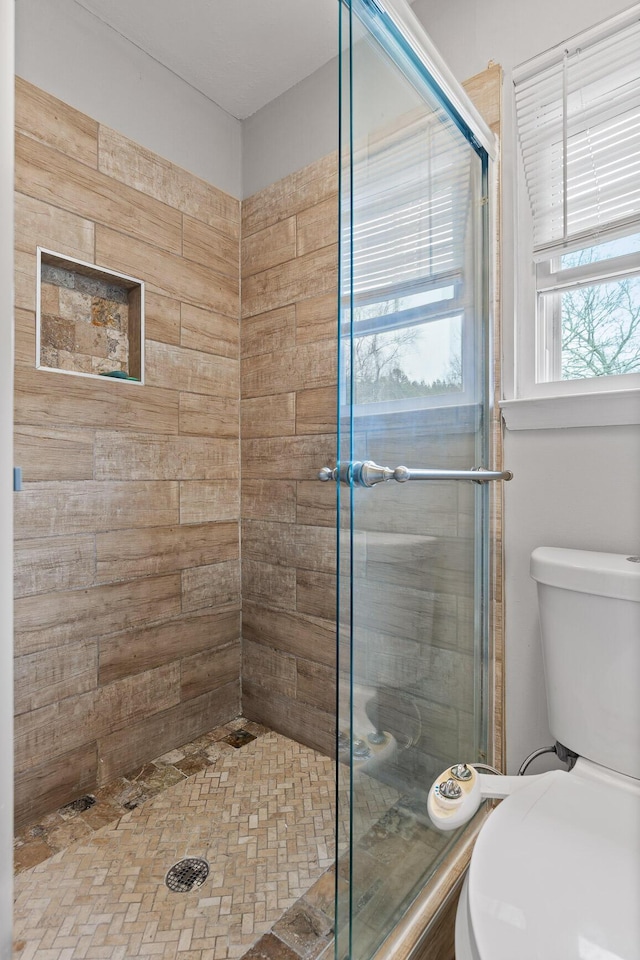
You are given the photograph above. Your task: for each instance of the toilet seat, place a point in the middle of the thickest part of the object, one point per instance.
(555, 873)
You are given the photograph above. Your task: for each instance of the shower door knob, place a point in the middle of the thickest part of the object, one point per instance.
(368, 473)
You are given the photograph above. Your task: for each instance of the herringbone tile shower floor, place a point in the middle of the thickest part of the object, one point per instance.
(263, 816)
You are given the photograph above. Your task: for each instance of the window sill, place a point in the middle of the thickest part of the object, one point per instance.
(615, 407)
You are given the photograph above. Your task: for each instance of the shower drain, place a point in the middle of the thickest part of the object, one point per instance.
(186, 875)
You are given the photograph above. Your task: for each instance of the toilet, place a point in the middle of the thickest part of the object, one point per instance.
(555, 872)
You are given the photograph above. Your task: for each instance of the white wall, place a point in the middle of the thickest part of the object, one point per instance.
(6, 464)
(295, 129)
(63, 49)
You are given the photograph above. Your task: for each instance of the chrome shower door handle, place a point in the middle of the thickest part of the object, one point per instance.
(368, 474)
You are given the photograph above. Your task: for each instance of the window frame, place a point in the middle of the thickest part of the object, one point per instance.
(537, 400)
(551, 282)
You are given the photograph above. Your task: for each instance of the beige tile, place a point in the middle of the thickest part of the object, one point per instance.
(54, 123)
(55, 399)
(132, 746)
(309, 276)
(39, 224)
(152, 645)
(209, 416)
(269, 500)
(191, 371)
(316, 502)
(165, 272)
(269, 669)
(317, 318)
(106, 895)
(137, 697)
(42, 788)
(302, 457)
(316, 684)
(269, 584)
(269, 247)
(130, 456)
(24, 336)
(206, 501)
(296, 634)
(54, 508)
(316, 593)
(209, 670)
(53, 730)
(316, 410)
(54, 454)
(312, 726)
(269, 332)
(43, 565)
(63, 617)
(156, 550)
(301, 368)
(130, 163)
(214, 246)
(290, 545)
(209, 332)
(211, 585)
(25, 270)
(54, 674)
(273, 416)
(287, 197)
(31, 853)
(63, 181)
(162, 318)
(317, 226)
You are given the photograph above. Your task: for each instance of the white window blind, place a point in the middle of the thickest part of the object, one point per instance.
(411, 209)
(578, 118)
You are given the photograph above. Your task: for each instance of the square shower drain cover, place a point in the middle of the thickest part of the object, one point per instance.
(187, 874)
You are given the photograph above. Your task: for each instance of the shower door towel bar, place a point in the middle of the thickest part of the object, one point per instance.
(368, 473)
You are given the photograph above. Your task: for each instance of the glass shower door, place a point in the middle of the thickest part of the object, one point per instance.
(413, 421)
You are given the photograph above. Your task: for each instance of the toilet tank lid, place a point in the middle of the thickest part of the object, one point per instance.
(614, 575)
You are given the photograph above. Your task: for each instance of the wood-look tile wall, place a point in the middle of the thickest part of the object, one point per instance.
(417, 633)
(289, 304)
(127, 542)
(127, 557)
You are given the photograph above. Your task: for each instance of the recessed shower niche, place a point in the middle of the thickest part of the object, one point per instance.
(89, 320)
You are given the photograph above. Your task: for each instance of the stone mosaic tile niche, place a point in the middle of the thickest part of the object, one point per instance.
(90, 320)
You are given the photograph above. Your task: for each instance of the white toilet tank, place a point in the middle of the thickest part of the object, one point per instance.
(590, 621)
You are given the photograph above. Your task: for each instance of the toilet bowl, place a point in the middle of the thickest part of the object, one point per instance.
(555, 871)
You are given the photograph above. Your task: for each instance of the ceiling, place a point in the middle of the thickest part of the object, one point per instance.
(239, 53)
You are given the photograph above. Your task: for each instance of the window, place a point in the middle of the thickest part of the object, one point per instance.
(578, 120)
(414, 286)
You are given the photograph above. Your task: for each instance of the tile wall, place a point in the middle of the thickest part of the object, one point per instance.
(127, 553)
(289, 303)
(414, 565)
(127, 573)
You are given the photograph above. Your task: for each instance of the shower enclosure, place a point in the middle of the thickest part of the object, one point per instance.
(414, 447)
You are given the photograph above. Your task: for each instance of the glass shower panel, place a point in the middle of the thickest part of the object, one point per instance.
(413, 392)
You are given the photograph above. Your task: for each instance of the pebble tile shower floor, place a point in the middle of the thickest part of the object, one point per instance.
(262, 816)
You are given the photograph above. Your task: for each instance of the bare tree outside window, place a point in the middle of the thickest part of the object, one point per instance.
(600, 322)
(398, 363)
(381, 365)
(601, 330)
